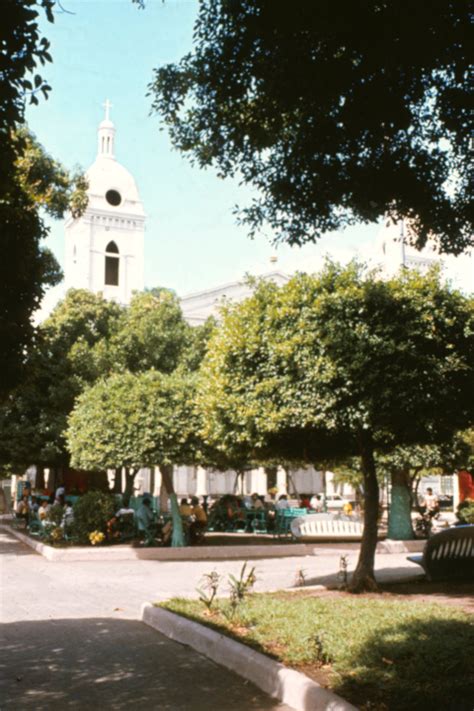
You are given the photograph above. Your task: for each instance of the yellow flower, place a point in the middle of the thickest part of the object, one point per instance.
(96, 537)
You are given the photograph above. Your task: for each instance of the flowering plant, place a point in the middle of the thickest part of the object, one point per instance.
(96, 537)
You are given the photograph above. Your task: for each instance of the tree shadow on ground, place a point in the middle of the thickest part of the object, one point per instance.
(12, 546)
(114, 664)
(384, 576)
(415, 666)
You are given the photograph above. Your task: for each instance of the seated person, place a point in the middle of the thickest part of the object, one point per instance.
(282, 503)
(34, 504)
(23, 509)
(305, 501)
(185, 509)
(198, 511)
(347, 508)
(68, 518)
(43, 510)
(317, 503)
(257, 502)
(199, 522)
(145, 517)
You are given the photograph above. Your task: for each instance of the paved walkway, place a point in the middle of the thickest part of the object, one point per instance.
(71, 638)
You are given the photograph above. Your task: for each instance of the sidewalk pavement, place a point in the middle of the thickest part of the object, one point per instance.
(72, 639)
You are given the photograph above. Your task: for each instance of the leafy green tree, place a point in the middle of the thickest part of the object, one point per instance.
(342, 363)
(137, 420)
(152, 333)
(196, 344)
(29, 181)
(63, 360)
(336, 112)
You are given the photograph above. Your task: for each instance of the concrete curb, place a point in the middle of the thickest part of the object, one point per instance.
(117, 552)
(291, 687)
(237, 552)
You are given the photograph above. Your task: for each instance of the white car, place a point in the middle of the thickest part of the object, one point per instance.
(336, 501)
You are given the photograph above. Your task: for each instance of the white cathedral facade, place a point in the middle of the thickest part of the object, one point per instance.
(104, 249)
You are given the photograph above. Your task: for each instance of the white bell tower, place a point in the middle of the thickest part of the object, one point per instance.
(105, 247)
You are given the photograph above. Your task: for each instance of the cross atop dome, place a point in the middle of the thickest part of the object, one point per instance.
(107, 106)
(106, 134)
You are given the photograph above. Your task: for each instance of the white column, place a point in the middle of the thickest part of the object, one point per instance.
(156, 490)
(282, 483)
(201, 482)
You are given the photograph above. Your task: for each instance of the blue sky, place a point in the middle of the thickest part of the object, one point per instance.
(108, 49)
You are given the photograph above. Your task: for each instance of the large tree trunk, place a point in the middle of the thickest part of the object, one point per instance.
(399, 519)
(291, 482)
(271, 473)
(117, 487)
(164, 497)
(364, 576)
(152, 481)
(130, 475)
(39, 479)
(177, 539)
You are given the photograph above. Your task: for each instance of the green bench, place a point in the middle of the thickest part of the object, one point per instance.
(448, 555)
(284, 519)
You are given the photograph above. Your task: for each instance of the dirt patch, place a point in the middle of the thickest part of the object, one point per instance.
(455, 594)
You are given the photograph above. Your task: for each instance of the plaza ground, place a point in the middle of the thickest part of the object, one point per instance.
(72, 639)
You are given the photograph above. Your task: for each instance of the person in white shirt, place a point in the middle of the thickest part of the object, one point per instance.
(431, 503)
(317, 503)
(282, 503)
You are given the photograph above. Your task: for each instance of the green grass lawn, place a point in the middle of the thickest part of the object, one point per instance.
(377, 653)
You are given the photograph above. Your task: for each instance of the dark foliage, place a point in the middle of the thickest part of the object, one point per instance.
(338, 112)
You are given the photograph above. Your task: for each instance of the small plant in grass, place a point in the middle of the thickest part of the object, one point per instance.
(343, 570)
(321, 653)
(300, 578)
(208, 590)
(239, 588)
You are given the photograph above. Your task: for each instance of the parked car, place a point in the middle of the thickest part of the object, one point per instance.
(446, 501)
(336, 501)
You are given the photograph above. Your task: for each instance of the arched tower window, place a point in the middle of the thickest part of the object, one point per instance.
(112, 264)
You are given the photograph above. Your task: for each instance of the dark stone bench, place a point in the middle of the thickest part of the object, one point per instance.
(448, 555)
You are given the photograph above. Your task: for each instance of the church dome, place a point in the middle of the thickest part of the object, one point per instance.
(112, 186)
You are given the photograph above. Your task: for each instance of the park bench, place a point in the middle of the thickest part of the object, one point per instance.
(320, 527)
(448, 555)
(284, 519)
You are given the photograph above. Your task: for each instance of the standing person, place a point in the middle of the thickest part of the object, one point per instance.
(145, 519)
(431, 503)
(60, 494)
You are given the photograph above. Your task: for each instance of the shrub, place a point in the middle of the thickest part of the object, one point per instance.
(465, 511)
(91, 514)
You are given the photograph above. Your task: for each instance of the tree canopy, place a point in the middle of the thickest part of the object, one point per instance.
(62, 361)
(342, 363)
(337, 112)
(29, 181)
